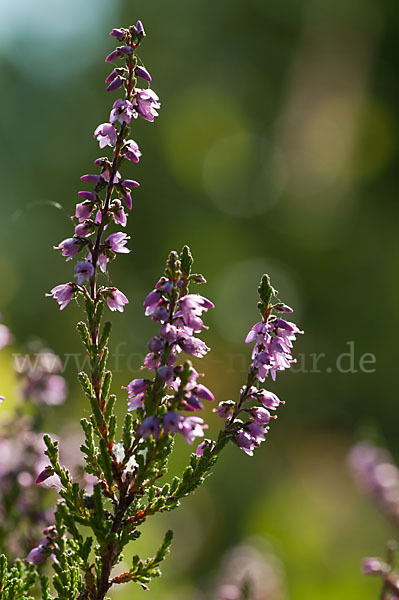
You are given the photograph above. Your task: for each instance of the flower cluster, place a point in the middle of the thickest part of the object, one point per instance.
(44, 548)
(111, 196)
(377, 476)
(22, 505)
(387, 570)
(273, 337)
(41, 381)
(175, 386)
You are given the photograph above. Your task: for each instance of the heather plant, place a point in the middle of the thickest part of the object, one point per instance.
(25, 508)
(378, 477)
(93, 527)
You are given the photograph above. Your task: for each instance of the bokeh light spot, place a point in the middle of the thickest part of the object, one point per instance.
(244, 174)
(198, 119)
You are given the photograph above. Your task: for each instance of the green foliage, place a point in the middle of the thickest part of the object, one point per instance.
(266, 293)
(85, 336)
(173, 267)
(186, 262)
(143, 571)
(45, 588)
(17, 581)
(105, 335)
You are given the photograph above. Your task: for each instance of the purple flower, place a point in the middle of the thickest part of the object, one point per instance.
(84, 229)
(113, 56)
(117, 242)
(130, 183)
(201, 447)
(120, 217)
(137, 386)
(91, 178)
(245, 441)
(189, 427)
(84, 271)
(191, 308)
(258, 432)
(378, 476)
(269, 400)
(127, 198)
(122, 111)
(83, 211)
(147, 103)
(284, 308)
(203, 392)
(106, 170)
(69, 247)
(44, 474)
(2, 398)
(5, 336)
(169, 332)
(106, 135)
(150, 426)
(155, 344)
(172, 422)
(113, 75)
(193, 427)
(115, 299)
(374, 566)
(160, 314)
(115, 84)
(152, 301)
(193, 345)
(37, 555)
(143, 73)
(88, 196)
(136, 391)
(225, 409)
(102, 261)
(261, 415)
(166, 373)
(273, 343)
(131, 151)
(152, 361)
(63, 294)
(258, 333)
(52, 390)
(118, 33)
(127, 50)
(140, 29)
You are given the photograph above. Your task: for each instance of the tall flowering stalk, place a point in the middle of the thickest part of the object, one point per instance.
(378, 476)
(165, 402)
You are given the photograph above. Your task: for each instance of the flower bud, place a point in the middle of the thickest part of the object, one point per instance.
(113, 56)
(127, 50)
(88, 196)
(155, 344)
(45, 474)
(140, 29)
(115, 84)
(143, 73)
(118, 33)
(374, 566)
(91, 178)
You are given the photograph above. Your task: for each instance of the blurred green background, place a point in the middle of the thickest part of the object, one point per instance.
(274, 152)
